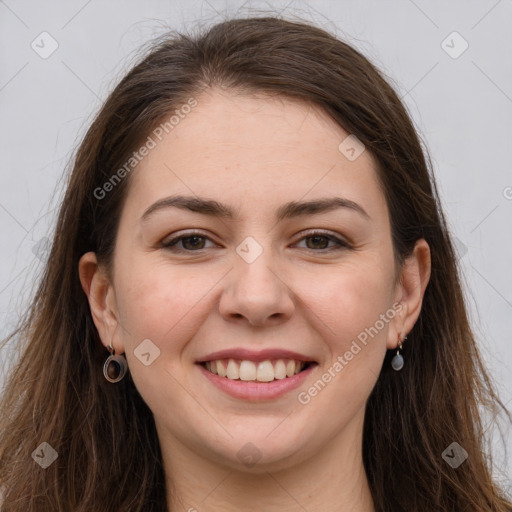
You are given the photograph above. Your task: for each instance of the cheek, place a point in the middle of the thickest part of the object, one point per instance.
(352, 311)
(355, 337)
(166, 305)
(160, 302)
(348, 299)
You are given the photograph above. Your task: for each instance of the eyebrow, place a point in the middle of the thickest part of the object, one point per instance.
(286, 211)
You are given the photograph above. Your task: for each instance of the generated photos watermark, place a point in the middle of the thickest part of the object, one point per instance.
(304, 397)
(137, 156)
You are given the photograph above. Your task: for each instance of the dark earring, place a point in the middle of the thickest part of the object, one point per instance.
(397, 363)
(114, 368)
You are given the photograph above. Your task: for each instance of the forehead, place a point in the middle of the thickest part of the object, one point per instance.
(248, 147)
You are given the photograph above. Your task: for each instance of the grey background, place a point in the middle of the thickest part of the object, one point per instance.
(461, 106)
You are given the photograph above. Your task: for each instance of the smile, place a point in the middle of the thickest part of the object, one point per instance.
(262, 371)
(253, 388)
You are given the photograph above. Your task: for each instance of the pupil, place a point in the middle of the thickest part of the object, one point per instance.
(317, 238)
(195, 238)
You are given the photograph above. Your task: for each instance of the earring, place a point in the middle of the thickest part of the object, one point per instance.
(114, 368)
(397, 363)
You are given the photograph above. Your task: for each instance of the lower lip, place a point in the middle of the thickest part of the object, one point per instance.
(257, 391)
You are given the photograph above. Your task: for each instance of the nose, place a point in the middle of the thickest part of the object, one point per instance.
(257, 293)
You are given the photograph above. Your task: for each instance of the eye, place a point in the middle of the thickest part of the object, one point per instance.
(195, 242)
(319, 241)
(190, 242)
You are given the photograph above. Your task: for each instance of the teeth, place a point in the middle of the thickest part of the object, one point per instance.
(280, 369)
(264, 371)
(221, 370)
(232, 372)
(247, 370)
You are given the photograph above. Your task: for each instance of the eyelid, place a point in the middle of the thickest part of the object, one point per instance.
(176, 237)
(341, 242)
(338, 239)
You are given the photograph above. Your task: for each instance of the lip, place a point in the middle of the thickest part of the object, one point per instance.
(251, 355)
(257, 391)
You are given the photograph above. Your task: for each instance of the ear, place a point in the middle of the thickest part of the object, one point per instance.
(415, 275)
(101, 296)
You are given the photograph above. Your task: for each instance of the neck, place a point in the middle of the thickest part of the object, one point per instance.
(330, 480)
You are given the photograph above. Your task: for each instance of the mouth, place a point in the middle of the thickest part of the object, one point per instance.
(256, 381)
(245, 370)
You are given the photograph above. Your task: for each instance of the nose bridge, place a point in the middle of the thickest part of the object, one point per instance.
(255, 270)
(256, 291)
(258, 275)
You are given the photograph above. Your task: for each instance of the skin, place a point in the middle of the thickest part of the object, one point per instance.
(255, 153)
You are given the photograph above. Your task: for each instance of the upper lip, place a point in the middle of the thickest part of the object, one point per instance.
(251, 355)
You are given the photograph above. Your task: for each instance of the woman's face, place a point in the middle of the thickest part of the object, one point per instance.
(273, 277)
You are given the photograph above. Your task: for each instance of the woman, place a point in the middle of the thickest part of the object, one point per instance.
(252, 300)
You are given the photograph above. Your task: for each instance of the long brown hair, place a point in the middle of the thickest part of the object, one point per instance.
(109, 457)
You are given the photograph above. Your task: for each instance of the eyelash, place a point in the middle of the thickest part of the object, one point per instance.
(170, 244)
